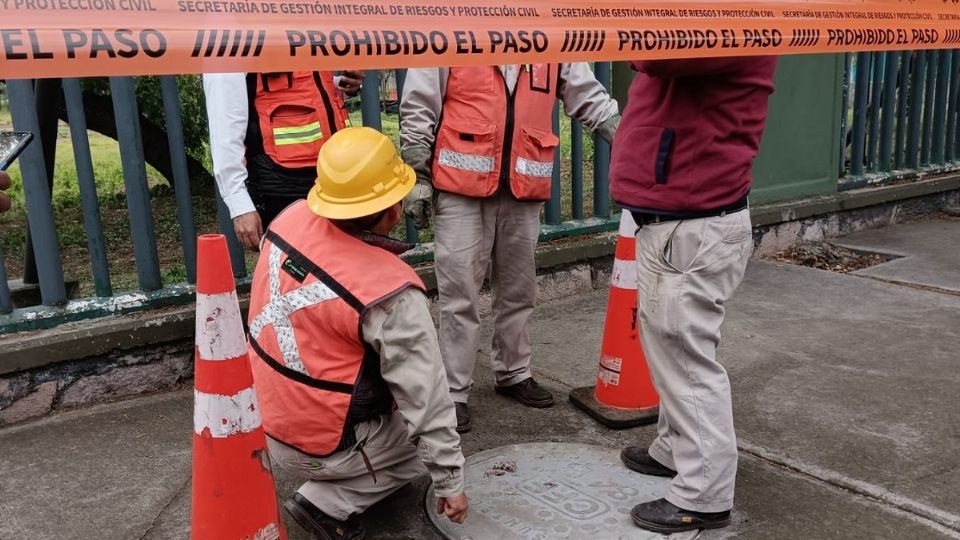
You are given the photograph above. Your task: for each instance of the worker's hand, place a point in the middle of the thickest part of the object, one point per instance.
(454, 507)
(351, 82)
(418, 205)
(4, 184)
(248, 229)
(608, 128)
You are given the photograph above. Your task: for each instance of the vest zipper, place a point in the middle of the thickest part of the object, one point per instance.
(331, 118)
(508, 128)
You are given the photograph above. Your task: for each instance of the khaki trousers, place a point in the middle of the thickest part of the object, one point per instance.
(340, 485)
(471, 235)
(687, 270)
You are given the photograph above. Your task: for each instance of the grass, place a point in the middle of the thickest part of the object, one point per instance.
(116, 228)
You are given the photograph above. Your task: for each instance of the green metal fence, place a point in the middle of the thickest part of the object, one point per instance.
(32, 104)
(901, 115)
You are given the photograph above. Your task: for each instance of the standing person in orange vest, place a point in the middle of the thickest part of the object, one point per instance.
(482, 137)
(343, 349)
(265, 132)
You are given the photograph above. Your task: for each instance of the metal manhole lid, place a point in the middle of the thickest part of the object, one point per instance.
(547, 491)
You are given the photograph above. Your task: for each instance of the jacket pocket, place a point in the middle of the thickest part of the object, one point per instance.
(664, 152)
(532, 174)
(296, 133)
(465, 161)
(642, 156)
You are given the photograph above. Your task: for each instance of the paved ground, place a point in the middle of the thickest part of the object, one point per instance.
(845, 388)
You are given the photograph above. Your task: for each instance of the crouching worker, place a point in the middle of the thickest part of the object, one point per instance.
(343, 349)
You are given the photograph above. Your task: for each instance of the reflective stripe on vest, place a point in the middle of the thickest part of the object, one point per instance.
(466, 162)
(279, 308)
(488, 135)
(296, 135)
(541, 169)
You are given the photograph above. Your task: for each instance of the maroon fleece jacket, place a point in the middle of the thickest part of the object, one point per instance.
(690, 132)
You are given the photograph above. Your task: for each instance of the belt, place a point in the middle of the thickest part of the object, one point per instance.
(646, 218)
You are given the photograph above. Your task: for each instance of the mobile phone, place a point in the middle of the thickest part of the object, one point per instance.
(12, 143)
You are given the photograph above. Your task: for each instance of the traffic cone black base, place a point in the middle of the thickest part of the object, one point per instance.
(585, 399)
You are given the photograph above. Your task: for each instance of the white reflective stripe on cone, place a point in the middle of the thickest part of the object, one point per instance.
(219, 329)
(226, 415)
(624, 274)
(628, 227)
(465, 162)
(540, 169)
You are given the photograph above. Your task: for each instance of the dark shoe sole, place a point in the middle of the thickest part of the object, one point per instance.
(307, 522)
(536, 404)
(465, 428)
(644, 469)
(667, 529)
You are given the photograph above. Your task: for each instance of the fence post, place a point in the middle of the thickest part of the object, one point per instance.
(135, 182)
(903, 99)
(237, 260)
(410, 230)
(37, 193)
(370, 100)
(47, 93)
(93, 223)
(940, 108)
(916, 109)
(6, 306)
(951, 150)
(576, 172)
(861, 93)
(181, 176)
(891, 70)
(601, 155)
(926, 140)
(551, 214)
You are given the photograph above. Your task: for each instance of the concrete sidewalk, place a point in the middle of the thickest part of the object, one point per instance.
(845, 396)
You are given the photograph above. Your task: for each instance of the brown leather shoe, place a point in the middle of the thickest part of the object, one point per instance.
(527, 392)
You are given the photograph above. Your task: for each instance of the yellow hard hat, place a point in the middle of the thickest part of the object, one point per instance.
(359, 173)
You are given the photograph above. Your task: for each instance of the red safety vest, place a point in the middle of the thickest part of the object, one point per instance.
(488, 134)
(296, 113)
(312, 285)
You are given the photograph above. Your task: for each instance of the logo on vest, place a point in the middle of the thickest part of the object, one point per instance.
(295, 271)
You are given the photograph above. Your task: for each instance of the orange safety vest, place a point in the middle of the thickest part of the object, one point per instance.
(488, 135)
(312, 370)
(296, 113)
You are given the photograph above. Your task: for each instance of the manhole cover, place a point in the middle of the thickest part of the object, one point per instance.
(550, 491)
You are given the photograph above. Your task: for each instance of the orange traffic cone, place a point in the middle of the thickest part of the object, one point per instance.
(234, 497)
(624, 395)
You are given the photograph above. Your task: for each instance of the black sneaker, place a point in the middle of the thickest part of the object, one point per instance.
(463, 417)
(322, 526)
(663, 517)
(527, 392)
(639, 459)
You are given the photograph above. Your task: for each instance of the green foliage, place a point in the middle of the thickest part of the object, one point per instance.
(150, 99)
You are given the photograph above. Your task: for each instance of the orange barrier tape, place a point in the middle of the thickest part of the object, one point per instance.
(55, 38)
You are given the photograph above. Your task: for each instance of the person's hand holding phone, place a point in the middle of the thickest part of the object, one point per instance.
(351, 82)
(4, 199)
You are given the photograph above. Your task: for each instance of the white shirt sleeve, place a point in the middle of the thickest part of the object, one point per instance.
(227, 115)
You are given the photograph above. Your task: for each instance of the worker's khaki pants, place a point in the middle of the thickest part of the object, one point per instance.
(687, 270)
(472, 234)
(340, 485)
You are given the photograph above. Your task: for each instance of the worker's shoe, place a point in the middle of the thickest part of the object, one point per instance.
(527, 392)
(639, 459)
(463, 417)
(663, 517)
(320, 525)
